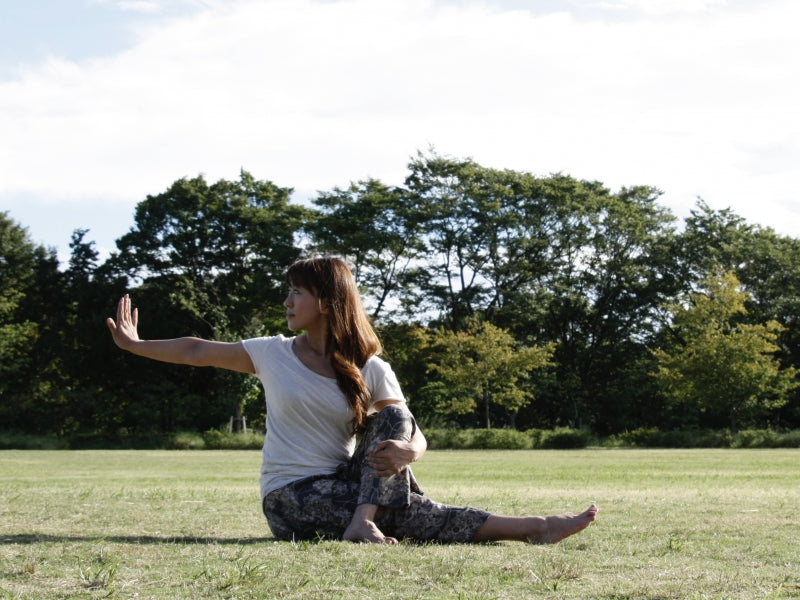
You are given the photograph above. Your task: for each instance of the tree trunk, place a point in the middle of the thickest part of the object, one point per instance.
(486, 398)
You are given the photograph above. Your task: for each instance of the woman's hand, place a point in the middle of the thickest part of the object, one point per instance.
(390, 457)
(181, 351)
(124, 330)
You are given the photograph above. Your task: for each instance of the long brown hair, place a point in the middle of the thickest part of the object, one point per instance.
(351, 339)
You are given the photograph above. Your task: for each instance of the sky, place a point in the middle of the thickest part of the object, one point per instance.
(103, 102)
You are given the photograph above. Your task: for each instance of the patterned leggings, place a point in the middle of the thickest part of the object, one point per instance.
(323, 505)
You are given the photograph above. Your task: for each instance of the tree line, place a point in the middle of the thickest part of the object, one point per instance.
(504, 299)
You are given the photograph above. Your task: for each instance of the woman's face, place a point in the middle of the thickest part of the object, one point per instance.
(302, 310)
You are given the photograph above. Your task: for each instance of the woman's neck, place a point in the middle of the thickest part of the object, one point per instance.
(316, 342)
(312, 356)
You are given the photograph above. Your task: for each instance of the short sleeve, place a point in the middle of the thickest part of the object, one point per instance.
(382, 381)
(259, 350)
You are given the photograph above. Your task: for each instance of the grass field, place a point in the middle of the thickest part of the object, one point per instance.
(697, 524)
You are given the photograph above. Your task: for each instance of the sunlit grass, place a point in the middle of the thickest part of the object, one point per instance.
(695, 524)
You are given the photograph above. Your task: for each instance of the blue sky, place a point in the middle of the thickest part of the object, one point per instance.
(103, 102)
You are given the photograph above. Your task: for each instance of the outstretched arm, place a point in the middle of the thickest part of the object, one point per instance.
(186, 351)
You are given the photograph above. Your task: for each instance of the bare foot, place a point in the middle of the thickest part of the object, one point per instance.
(536, 530)
(552, 529)
(366, 531)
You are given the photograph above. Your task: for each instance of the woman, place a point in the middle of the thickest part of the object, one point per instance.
(323, 387)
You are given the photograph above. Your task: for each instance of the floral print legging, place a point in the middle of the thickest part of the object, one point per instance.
(322, 506)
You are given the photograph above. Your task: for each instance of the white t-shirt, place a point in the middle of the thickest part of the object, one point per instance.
(308, 419)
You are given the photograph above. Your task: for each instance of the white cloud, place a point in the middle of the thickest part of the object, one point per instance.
(140, 6)
(660, 8)
(313, 94)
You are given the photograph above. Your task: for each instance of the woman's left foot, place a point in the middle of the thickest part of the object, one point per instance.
(552, 529)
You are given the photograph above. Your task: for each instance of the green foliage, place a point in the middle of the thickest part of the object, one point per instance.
(17, 334)
(213, 260)
(31, 342)
(483, 364)
(507, 439)
(766, 264)
(765, 438)
(185, 440)
(216, 252)
(707, 438)
(223, 440)
(552, 262)
(686, 438)
(477, 439)
(564, 438)
(718, 364)
(377, 229)
(26, 441)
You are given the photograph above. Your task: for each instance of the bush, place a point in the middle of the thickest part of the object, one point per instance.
(476, 439)
(766, 438)
(564, 438)
(441, 438)
(11, 440)
(645, 437)
(537, 437)
(185, 440)
(500, 439)
(224, 440)
(790, 439)
(506, 439)
(452, 438)
(691, 438)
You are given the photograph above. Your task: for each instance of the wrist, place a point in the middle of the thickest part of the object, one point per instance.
(416, 452)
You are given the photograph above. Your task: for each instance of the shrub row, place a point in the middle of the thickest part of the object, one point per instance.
(438, 439)
(507, 439)
(224, 440)
(704, 438)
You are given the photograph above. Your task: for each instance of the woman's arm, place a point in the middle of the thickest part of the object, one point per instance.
(392, 456)
(185, 351)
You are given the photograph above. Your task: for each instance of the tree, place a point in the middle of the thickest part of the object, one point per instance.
(766, 264)
(212, 260)
(484, 364)
(376, 228)
(31, 294)
(457, 205)
(606, 308)
(221, 251)
(17, 334)
(408, 348)
(590, 270)
(719, 364)
(550, 259)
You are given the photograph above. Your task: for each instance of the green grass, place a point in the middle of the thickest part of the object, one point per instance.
(695, 524)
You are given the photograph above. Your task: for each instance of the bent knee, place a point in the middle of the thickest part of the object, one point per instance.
(395, 418)
(395, 413)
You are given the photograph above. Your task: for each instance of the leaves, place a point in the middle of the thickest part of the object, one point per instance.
(722, 365)
(477, 277)
(484, 364)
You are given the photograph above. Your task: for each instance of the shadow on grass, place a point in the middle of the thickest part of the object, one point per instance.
(41, 538)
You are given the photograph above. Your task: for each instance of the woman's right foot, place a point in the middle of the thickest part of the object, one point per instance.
(366, 532)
